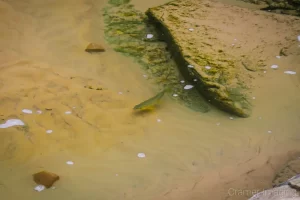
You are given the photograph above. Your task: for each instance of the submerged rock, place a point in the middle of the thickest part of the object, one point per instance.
(93, 47)
(45, 178)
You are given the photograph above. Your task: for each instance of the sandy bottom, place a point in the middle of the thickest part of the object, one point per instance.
(189, 155)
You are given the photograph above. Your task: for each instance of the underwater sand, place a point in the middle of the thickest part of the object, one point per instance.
(117, 154)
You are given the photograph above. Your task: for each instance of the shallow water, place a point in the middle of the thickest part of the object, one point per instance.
(188, 155)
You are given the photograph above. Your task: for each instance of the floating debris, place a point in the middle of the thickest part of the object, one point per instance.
(187, 87)
(175, 95)
(12, 122)
(49, 131)
(150, 104)
(141, 155)
(149, 36)
(70, 163)
(191, 29)
(39, 112)
(27, 111)
(68, 112)
(158, 120)
(207, 67)
(290, 72)
(274, 66)
(39, 188)
(278, 57)
(190, 66)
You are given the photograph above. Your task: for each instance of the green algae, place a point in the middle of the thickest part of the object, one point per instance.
(126, 30)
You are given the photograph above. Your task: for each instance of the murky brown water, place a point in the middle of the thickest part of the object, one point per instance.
(189, 155)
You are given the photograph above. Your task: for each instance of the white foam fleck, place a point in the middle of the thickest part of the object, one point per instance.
(53, 187)
(195, 80)
(68, 112)
(175, 95)
(253, 98)
(269, 131)
(117, 174)
(149, 36)
(27, 111)
(278, 57)
(49, 131)
(235, 39)
(70, 163)
(218, 124)
(298, 38)
(187, 87)
(274, 66)
(207, 67)
(259, 117)
(190, 66)
(182, 81)
(289, 72)
(12, 122)
(231, 118)
(265, 72)
(39, 188)
(39, 112)
(191, 29)
(232, 44)
(120, 92)
(145, 76)
(158, 120)
(141, 155)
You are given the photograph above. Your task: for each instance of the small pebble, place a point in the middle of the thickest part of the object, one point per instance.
(290, 72)
(27, 111)
(158, 120)
(207, 67)
(191, 29)
(269, 131)
(49, 131)
(278, 57)
(149, 36)
(68, 112)
(231, 118)
(187, 87)
(175, 95)
(70, 163)
(39, 112)
(274, 66)
(190, 66)
(182, 81)
(141, 155)
(39, 188)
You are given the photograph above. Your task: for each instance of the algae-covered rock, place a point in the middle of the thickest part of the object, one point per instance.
(209, 36)
(130, 33)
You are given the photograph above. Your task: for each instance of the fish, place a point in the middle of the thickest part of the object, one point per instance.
(151, 103)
